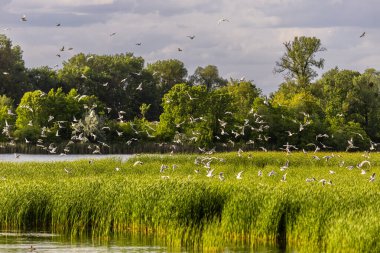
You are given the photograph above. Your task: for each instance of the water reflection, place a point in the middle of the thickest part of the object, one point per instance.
(49, 243)
(54, 158)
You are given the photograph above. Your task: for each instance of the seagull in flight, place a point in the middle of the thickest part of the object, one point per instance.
(362, 35)
(222, 20)
(191, 36)
(138, 44)
(23, 18)
(139, 87)
(372, 178)
(112, 34)
(209, 173)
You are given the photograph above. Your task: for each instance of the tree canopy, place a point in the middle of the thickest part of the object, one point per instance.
(299, 59)
(120, 99)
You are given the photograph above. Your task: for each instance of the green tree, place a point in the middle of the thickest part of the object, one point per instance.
(12, 70)
(186, 112)
(42, 78)
(348, 96)
(7, 120)
(118, 80)
(243, 93)
(299, 59)
(362, 103)
(167, 73)
(208, 76)
(41, 114)
(332, 90)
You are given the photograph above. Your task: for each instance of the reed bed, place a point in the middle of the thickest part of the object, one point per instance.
(111, 197)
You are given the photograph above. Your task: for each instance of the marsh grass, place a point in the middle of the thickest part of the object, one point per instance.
(84, 198)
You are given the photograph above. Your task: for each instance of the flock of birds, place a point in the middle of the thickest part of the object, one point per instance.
(259, 126)
(205, 162)
(112, 34)
(62, 49)
(255, 123)
(228, 135)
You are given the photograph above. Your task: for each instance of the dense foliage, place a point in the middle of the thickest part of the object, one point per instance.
(100, 99)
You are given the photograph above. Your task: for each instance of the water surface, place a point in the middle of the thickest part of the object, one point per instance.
(13, 242)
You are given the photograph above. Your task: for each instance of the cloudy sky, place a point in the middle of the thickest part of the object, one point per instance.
(248, 45)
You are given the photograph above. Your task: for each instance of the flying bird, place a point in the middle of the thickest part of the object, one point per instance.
(209, 173)
(360, 165)
(283, 179)
(138, 163)
(179, 49)
(222, 20)
(239, 175)
(283, 168)
(112, 34)
(362, 35)
(138, 44)
(10, 112)
(191, 36)
(139, 87)
(23, 18)
(372, 178)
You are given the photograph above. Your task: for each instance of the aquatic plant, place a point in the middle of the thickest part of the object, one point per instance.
(162, 195)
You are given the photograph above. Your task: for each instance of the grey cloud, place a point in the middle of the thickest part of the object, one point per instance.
(326, 13)
(247, 46)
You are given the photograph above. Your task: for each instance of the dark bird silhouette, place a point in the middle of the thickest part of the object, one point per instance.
(363, 34)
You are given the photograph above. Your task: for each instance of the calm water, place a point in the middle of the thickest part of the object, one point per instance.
(49, 243)
(54, 158)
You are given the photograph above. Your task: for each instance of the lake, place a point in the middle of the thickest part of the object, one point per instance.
(50, 243)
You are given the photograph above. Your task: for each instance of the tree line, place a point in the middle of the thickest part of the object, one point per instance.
(103, 99)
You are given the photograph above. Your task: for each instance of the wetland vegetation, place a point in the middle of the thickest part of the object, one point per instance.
(328, 204)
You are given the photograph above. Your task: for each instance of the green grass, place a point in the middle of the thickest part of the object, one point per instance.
(189, 209)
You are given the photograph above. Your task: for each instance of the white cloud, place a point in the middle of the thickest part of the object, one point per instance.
(248, 45)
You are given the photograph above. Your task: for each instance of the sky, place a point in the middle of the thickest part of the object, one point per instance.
(247, 45)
